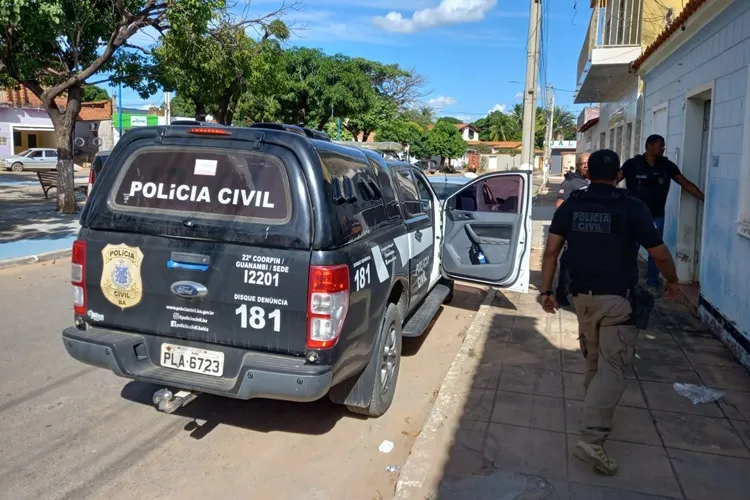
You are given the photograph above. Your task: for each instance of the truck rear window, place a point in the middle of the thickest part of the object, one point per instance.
(213, 183)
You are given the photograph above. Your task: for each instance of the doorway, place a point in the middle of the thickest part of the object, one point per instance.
(695, 158)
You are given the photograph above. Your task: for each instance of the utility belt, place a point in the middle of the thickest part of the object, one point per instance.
(601, 290)
(641, 302)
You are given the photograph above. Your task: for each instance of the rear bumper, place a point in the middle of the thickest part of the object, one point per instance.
(247, 374)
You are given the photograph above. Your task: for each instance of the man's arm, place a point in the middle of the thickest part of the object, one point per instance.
(555, 240)
(689, 186)
(552, 251)
(563, 194)
(649, 238)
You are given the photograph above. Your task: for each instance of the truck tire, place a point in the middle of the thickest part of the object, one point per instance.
(387, 355)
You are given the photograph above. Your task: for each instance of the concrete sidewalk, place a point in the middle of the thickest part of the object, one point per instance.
(515, 410)
(30, 228)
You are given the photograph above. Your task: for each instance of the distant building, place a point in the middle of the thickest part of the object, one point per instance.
(24, 123)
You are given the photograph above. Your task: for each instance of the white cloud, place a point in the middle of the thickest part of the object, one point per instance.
(498, 107)
(519, 95)
(441, 102)
(447, 12)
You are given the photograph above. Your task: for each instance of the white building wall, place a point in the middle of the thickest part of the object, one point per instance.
(717, 56)
(623, 115)
(466, 134)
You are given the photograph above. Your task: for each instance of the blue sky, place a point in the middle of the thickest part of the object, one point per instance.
(470, 51)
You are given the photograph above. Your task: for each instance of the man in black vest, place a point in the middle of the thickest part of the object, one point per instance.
(648, 178)
(573, 182)
(601, 226)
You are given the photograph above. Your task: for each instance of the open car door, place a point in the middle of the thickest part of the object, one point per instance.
(487, 231)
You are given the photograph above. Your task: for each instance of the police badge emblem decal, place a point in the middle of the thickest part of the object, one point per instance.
(121, 275)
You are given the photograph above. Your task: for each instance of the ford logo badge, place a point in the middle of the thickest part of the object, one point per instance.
(188, 289)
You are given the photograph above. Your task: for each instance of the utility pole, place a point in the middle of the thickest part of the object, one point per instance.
(550, 128)
(529, 97)
(168, 105)
(119, 105)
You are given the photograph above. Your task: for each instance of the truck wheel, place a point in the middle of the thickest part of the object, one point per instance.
(17, 167)
(387, 355)
(450, 284)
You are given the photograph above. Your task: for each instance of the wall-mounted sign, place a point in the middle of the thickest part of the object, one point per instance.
(563, 145)
(138, 121)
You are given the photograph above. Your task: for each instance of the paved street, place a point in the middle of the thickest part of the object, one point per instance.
(77, 432)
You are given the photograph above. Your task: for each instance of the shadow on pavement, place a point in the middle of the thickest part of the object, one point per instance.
(27, 215)
(268, 415)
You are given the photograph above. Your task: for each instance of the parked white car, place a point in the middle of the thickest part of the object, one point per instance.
(31, 159)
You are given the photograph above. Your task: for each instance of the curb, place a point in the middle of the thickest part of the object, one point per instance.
(426, 451)
(34, 259)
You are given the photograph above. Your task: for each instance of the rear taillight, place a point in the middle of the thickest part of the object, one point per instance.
(328, 303)
(78, 276)
(209, 131)
(91, 181)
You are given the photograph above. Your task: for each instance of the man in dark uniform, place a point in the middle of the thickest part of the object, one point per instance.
(601, 226)
(648, 178)
(573, 182)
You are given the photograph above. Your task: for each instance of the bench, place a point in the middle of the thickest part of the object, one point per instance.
(48, 180)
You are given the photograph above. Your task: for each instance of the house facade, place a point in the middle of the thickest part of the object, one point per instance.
(618, 32)
(697, 96)
(25, 124)
(562, 156)
(469, 132)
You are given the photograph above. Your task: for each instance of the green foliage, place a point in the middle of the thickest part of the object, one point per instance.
(449, 119)
(92, 93)
(445, 141)
(498, 126)
(215, 69)
(401, 131)
(332, 130)
(423, 115)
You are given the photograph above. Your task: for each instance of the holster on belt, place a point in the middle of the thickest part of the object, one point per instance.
(642, 303)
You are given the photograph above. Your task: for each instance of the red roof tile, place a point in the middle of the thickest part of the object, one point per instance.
(688, 10)
(24, 98)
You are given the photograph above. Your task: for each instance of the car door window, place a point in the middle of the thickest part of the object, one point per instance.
(496, 194)
(36, 155)
(50, 153)
(425, 195)
(409, 192)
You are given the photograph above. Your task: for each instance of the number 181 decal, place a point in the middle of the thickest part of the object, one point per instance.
(362, 276)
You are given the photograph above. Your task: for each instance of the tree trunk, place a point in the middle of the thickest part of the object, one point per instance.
(200, 110)
(354, 131)
(64, 123)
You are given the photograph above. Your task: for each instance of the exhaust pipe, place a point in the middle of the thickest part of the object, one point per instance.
(169, 403)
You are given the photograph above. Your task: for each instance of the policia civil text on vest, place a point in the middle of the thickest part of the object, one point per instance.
(603, 227)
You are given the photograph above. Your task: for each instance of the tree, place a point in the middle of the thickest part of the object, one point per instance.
(92, 93)
(401, 131)
(450, 119)
(53, 47)
(445, 141)
(332, 130)
(215, 69)
(498, 126)
(179, 106)
(564, 124)
(423, 115)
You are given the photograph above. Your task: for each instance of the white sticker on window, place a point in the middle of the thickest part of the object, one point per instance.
(205, 167)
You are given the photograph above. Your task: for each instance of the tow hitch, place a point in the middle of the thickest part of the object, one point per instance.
(169, 403)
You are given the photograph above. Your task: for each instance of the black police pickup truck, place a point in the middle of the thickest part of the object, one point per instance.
(262, 263)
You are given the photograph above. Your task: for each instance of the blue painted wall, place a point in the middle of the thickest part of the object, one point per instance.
(719, 52)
